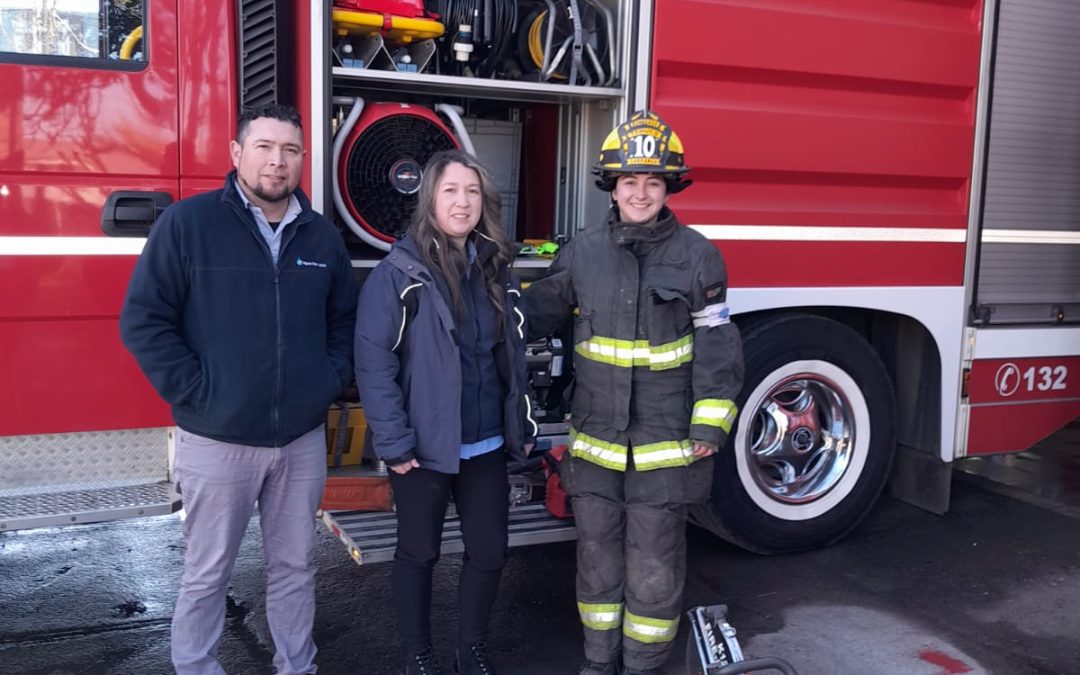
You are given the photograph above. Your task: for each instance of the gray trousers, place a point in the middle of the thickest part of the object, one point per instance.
(220, 485)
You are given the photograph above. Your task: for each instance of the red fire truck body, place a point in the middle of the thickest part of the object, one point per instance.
(891, 184)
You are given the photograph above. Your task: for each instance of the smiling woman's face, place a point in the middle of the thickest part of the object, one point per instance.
(458, 202)
(640, 196)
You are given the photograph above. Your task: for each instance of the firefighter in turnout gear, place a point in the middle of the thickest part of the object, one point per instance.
(658, 365)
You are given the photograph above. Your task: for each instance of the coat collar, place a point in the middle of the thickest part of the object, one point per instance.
(632, 234)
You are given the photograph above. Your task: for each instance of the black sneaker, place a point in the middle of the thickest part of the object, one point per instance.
(593, 668)
(474, 660)
(422, 663)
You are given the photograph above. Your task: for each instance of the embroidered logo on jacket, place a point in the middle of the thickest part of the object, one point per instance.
(300, 262)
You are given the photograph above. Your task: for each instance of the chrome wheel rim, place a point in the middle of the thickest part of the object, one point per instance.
(801, 437)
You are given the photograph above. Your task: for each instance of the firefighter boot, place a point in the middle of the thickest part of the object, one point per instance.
(422, 663)
(473, 660)
(593, 668)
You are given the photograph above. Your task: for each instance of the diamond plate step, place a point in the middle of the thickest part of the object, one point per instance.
(87, 506)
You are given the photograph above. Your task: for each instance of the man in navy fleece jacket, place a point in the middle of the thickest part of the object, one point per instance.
(240, 311)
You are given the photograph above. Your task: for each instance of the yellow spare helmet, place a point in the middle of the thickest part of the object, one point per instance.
(642, 144)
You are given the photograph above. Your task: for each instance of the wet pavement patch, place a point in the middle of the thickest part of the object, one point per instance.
(129, 609)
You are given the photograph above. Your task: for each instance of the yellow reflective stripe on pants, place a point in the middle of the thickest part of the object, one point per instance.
(604, 453)
(715, 412)
(629, 353)
(664, 454)
(600, 617)
(650, 631)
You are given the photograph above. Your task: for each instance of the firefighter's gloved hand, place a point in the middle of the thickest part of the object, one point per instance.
(703, 449)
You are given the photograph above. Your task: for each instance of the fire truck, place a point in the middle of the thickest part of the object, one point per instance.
(893, 184)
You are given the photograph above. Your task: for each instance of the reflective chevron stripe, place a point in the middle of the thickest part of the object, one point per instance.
(651, 631)
(629, 353)
(600, 617)
(715, 412)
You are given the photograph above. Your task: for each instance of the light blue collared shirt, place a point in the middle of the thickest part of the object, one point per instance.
(272, 236)
(470, 450)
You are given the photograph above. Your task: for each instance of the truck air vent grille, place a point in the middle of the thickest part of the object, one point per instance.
(260, 52)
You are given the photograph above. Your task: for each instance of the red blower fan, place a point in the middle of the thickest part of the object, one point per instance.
(379, 156)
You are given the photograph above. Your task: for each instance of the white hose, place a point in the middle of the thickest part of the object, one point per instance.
(339, 201)
(453, 114)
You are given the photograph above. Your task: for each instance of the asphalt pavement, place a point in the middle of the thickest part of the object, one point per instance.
(992, 587)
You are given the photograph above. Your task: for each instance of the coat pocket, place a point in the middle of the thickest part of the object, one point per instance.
(699, 480)
(668, 314)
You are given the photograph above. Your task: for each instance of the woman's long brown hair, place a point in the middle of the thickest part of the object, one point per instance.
(436, 248)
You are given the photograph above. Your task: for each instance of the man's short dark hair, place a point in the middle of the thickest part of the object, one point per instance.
(275, 111)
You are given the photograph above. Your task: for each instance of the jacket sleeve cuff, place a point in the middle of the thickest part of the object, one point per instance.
(712, 420)
(708, 435)
(400, 459)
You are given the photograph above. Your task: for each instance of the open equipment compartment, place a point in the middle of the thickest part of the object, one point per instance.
(397, 92)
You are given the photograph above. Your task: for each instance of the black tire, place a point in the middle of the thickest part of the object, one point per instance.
(773, 503)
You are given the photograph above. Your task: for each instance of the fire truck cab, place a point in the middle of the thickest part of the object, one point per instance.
(892, 184)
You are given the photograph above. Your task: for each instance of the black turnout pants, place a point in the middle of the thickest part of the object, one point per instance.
(481, 494)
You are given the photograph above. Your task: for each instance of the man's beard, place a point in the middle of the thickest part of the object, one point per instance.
(267, 196)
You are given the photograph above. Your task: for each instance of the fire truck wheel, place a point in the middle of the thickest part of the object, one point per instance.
(814, 441)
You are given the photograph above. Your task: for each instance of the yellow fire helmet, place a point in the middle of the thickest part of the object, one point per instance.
(642, 144)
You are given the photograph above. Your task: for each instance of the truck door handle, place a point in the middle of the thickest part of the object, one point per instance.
(130, 213)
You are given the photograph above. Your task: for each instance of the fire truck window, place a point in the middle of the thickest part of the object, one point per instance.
(108, 30)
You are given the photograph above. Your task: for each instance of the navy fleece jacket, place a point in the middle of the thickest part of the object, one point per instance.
(244, 350)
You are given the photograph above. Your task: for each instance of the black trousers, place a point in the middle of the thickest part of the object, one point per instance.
(481, 493)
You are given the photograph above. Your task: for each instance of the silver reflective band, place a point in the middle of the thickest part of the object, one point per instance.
(597, 451)
(715, 412)
(600, 617)
(630, 353)
(650, 631)
(675, 456)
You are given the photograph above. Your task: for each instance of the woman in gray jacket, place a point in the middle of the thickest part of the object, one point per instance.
(440, 364)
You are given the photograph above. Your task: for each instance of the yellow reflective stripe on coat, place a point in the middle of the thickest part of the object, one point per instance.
(651, 631)
(604, 453)
(664, 454)
(610, 351)
(600, 617)
(630, 353)
(715, 412)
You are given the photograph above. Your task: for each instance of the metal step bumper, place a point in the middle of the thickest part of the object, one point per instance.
(371, 537)
(21, 512)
